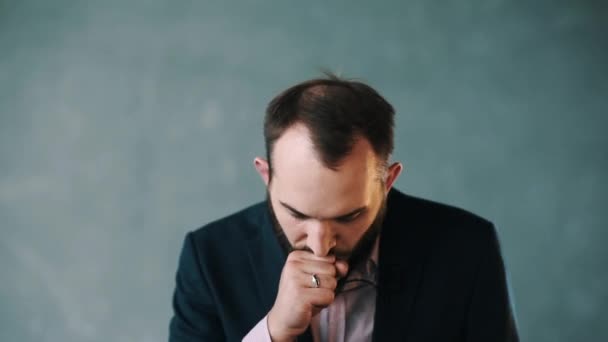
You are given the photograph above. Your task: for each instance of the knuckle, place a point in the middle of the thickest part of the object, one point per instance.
(292, 264)
(330, 295)
(332, 282)
(330, 270)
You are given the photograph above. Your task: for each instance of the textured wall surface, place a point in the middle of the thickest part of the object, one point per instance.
(125, 124)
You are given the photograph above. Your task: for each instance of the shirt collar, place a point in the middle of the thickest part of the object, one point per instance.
(368, 267)
(375, 251)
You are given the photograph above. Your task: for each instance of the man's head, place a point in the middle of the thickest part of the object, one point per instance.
(328, 143)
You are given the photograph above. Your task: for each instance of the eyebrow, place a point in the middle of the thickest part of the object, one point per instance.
(295, 211)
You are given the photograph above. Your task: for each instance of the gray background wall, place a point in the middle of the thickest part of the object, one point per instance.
(125, 124)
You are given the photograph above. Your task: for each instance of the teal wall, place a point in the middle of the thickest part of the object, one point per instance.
(125, 124)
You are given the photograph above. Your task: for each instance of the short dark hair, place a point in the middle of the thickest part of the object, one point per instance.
(337, 112)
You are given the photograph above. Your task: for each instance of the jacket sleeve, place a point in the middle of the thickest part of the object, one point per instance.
(194, 312)
(490, 316)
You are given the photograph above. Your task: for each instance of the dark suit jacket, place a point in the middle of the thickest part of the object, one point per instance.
(441, 277)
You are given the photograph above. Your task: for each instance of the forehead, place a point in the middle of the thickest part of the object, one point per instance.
(304, 182)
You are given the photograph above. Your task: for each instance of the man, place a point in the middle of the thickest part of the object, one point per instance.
(334, 253)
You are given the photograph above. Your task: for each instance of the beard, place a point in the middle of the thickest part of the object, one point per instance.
(358, 254)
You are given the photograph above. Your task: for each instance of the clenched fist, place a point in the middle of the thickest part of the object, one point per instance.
(298, 300)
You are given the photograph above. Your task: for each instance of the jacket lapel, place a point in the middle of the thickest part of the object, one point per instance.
(267, 259)
(402, 255)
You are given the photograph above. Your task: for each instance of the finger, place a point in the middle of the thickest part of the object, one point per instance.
(319, 297)
(341, 268)
(325, 282)
(306, 255)
(316, 267)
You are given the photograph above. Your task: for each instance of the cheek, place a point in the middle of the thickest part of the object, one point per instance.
(348, 236)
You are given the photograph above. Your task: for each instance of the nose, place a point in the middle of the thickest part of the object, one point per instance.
(321, 237)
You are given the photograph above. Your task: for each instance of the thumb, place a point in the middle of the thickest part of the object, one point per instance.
(341, 268)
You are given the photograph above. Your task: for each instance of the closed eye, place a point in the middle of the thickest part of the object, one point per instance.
(348, 218)
(298, 216)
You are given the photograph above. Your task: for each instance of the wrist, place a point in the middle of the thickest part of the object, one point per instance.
(276, 335)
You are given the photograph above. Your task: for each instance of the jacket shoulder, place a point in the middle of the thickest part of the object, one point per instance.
(440, 219)
(232, 231)
(438, 211)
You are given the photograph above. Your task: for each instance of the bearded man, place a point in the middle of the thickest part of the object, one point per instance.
(335, 253)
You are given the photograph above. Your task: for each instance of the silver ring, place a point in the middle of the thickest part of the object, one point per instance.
(316, 283)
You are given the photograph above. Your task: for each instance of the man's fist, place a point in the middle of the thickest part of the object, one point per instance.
(298, 300)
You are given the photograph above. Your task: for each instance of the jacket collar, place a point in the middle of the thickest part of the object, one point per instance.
(266, 258)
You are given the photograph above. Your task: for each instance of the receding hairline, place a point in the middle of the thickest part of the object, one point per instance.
(318, 90)
(381, 162)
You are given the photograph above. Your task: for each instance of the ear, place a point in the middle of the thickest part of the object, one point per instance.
(393, 173)
(261, 165)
